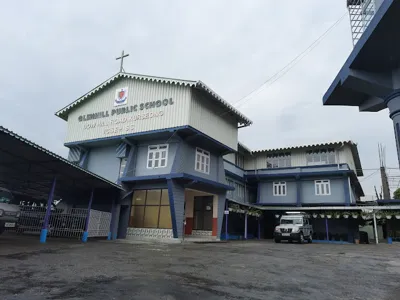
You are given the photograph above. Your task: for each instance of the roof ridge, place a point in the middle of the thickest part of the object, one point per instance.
(242, 119)
(305, 146)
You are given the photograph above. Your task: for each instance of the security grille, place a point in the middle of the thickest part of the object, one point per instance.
(99, 223)
(361, 13)
(69, 223)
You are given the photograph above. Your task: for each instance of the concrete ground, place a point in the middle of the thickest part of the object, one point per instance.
(65, 269)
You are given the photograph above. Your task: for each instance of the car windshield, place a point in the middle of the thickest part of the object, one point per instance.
(5, 197)
(291, 221)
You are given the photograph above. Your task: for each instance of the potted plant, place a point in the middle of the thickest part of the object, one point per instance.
(346, 215)
(315, 215)
(329, 215)
(378, 216)
(397, 215)
(365, 216)
(277, 216)
(388, 215)
(354, 215)
(322, 215)
(337, 215)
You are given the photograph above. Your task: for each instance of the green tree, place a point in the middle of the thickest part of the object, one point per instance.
(396, 194)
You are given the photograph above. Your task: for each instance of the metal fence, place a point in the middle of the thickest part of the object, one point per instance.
(99, 223)
(69, 223)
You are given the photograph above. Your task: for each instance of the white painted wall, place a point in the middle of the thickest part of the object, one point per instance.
(230, 157)
(213, 120)
(298, 158)
(139, 91)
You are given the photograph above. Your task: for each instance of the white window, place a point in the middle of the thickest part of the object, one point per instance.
(279, 160)
(202, 163)
(157, 156)
(321, 157)
(322, 187)
(279, 188)
(122, 166)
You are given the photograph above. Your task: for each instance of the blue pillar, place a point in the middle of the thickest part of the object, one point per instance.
(327, 228)
(85, 233)
(346, 189)
(226, 221)
(298, 191)
(245, 226)
(43, 233)
(110, 234)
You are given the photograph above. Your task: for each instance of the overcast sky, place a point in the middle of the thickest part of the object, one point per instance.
(52, 52)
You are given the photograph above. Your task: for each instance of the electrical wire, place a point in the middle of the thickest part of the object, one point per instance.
(288, 66)
(364, 178)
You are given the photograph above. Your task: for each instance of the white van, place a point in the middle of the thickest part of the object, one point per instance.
(294, 227)
(9, 213)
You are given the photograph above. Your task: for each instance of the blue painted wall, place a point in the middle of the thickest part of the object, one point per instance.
(266, 193)
(185, 163)
(103, 161)
(308, 192)
(140, 168)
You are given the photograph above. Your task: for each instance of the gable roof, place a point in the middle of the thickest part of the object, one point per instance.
(242, 119)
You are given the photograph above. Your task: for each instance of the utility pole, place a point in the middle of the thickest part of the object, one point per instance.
(384, 178)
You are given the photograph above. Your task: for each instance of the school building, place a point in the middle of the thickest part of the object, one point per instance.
(173, 146)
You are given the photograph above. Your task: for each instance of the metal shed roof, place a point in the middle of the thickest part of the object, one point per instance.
(29, 169)
(242, 119)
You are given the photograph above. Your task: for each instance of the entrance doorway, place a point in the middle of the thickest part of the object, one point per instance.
(203, 213)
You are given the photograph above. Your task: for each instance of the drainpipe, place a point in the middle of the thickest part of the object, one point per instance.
(375, 230)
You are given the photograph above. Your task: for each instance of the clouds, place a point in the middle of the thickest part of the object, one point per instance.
(55, 51)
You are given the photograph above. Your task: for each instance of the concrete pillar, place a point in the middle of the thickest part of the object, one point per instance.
(245, 226)
(176, 193)
(110, 234)
(86, 233)
(327, 228)
(226, 221)
(259, 228)
(221, 199)
(393, 103)
(43, 233)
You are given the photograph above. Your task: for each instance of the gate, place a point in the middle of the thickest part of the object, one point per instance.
(69, 223)
(99, 223)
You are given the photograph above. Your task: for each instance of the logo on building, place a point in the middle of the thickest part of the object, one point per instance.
(121, 97)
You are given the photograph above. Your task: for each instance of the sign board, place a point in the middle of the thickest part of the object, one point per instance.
(226, 212)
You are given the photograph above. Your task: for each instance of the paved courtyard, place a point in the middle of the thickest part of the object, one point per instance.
(236, 270)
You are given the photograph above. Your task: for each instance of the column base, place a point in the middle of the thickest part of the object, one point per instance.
(85, 236)
(43, 236)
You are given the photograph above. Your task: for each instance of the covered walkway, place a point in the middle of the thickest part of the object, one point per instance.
(38, 176)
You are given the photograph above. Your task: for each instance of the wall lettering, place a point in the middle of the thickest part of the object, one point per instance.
(126, 110)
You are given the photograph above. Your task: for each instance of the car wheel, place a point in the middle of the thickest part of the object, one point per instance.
(301, 238)
(277, 241)
(310, 239)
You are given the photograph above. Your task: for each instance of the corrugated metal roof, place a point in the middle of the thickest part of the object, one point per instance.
(244, 147)
(329, 144)
(57, 157)
(242, 119)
